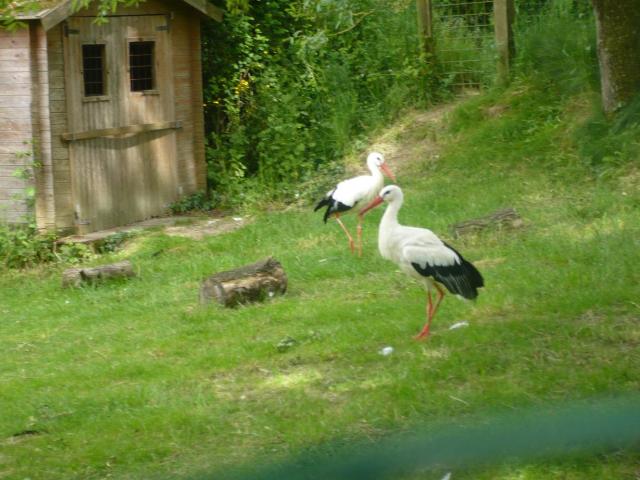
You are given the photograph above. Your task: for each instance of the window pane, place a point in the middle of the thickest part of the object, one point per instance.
(141, 66)
(93, 70)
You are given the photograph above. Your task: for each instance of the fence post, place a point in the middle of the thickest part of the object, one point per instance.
(425, 26)
(504, 11)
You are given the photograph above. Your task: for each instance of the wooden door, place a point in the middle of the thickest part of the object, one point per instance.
(121, 119)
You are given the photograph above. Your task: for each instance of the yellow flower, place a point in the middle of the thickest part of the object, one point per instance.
(243, 85)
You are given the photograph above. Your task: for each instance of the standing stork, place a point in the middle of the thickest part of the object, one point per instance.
(353, 192)
(422, 255)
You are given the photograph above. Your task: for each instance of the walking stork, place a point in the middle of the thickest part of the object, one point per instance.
(354, 192)
(423, 256)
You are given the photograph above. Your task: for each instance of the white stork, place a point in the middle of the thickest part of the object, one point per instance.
(422, 255)
(354, 192)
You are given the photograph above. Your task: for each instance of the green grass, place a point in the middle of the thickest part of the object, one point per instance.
(136, 380)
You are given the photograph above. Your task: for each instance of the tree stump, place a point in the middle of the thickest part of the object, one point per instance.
(251, 283)
(75, 277)
(507, 217)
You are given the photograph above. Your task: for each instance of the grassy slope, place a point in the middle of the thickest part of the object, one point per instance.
(135, 380)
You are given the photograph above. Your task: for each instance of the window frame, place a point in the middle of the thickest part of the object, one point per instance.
(104, 95)
(154, 70)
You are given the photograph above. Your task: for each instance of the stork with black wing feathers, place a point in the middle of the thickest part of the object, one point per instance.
(422, 255)
(354, 192)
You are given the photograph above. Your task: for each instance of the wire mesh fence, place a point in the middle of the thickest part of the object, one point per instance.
(464, 32)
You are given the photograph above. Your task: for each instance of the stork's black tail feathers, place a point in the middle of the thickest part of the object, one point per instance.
(462, 278)
(332, 205)
(326, 201)
(473, 278)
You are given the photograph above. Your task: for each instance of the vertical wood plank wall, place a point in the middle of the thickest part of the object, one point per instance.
(63, 199)
(16, 132)
(41, 120)
(187, 67)
(197, 113)
(185, 32)
(33, 106)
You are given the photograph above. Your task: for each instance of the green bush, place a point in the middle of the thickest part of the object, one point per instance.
(114, 242)
(22, 246)
(73, 253)
(557, 50)
(611, 142)
(198, 201)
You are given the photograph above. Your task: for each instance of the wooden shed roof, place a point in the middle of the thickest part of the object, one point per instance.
(52, 12)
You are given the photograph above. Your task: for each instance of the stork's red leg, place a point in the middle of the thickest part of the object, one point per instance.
(431, 311)
(440, 297)
(425, 330)
(351, 244)
(360, 234)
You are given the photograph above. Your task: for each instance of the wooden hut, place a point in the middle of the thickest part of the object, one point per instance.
(109, 113)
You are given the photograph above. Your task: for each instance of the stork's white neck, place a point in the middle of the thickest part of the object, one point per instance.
(388, 224)
(375, 171)
(390, 217)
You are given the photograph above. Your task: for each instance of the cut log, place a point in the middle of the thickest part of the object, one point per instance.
(505, 218)
(75, 277)
(252, 283)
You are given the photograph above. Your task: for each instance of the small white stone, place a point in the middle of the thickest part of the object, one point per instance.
(459, 325)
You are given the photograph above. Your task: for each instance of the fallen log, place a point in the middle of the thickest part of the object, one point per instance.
(75, 277)
(251, 283)
(505, 218)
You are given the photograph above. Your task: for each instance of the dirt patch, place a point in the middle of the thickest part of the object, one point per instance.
(207, 228)
(181, 226)
(413, 139)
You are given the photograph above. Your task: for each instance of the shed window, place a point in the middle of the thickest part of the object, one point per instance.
(141, 65)
(93, 69)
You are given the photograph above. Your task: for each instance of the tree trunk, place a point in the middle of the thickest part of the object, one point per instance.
(618, 28)
(505, 218)
(251, 283)
(74, 277)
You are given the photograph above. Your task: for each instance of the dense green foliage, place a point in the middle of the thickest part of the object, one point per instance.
(557, 57)
(22, 246)
(294, 85)
(198, 201)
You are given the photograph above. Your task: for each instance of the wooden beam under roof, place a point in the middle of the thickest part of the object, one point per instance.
(52, 16)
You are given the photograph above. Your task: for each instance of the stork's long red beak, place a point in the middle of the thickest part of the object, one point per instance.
(373, 204)
(388, 172)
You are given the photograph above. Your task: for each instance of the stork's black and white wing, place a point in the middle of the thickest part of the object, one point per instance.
(348, 194)
(433, 258)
